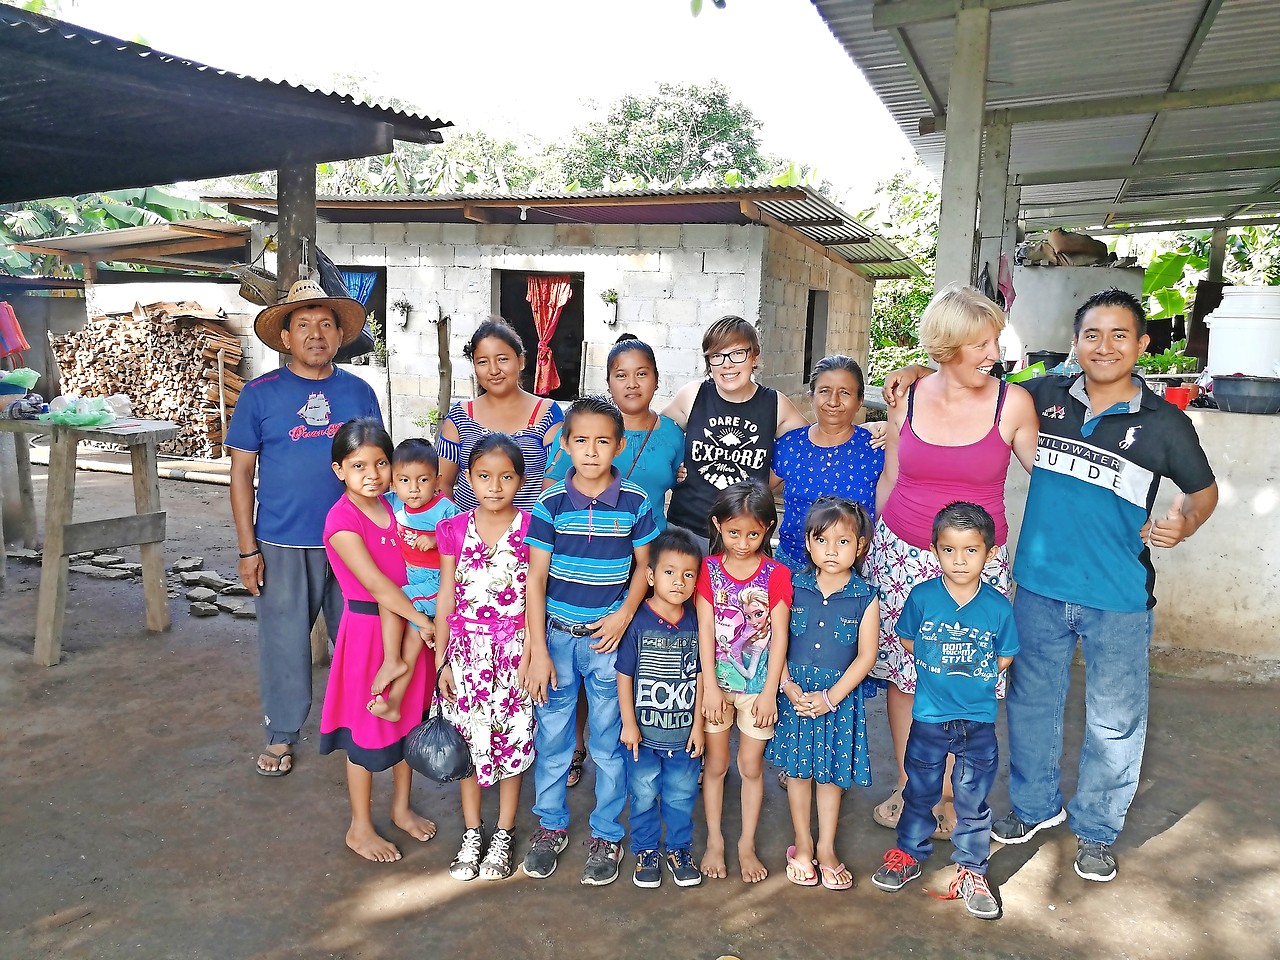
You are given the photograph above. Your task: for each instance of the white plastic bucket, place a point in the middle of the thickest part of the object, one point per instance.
(1250, 302)
(1247, 345)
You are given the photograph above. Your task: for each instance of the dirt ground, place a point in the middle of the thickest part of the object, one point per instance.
(132, 824)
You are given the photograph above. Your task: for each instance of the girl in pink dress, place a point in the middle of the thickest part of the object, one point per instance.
(364, 550)
(484, 565)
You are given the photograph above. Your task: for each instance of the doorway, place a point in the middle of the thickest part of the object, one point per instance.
(566, 342)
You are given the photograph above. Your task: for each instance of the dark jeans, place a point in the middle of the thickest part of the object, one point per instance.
(663, 785)
(973, 743)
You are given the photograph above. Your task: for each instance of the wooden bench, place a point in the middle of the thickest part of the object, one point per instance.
(62, 537)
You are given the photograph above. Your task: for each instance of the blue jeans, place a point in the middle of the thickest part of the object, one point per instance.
(977, 756)
(663, 785)
(576, 664)
(1116, 649)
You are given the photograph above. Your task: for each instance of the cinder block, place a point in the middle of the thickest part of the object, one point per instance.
(404, 386)
(654, 285)
(356, 233)
(616, 234)
(687, 336)
(388, 233)
(422, 233)
(402, 255)
(436, 255)
(732, 286)
(458, 233)
(573, 235)
(368, 255)
(327, 235)
(635, 313)
(723, 261)
(534, 235)
(659, 235)
(468, 256)
(682, 260)
(495, 234)
(641, 261)
(713, 236)
(695, 286)
(676, 313)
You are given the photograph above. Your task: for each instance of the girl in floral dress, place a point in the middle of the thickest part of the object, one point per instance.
(484, 565)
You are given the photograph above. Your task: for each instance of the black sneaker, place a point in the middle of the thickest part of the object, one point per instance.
(683, 870)
(648, 869)
(603, 857)
(898, 869)
(1095, 861)
(973, 890)
(466, 865)
(1013, 830)
(546, 845)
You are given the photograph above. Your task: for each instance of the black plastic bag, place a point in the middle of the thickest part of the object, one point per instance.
(332, 283)
(436, 749)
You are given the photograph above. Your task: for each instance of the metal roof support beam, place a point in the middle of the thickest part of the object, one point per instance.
(904, 13)
(966, 100)
(1183, 203)
(1151, 168)
(992, 190)
(1099, 107)
(1180, 227)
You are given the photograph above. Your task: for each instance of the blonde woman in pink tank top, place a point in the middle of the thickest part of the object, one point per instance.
(951, 441)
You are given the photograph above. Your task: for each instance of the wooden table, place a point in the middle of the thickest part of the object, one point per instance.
(146, 527)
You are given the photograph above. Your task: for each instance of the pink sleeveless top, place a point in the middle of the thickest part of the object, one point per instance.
(931, 476)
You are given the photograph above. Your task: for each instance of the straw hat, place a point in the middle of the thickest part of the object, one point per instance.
(308, 293)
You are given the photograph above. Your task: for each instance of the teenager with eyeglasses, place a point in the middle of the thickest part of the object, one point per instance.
(730, 422)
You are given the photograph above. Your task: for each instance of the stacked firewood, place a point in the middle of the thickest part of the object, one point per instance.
(174, 361)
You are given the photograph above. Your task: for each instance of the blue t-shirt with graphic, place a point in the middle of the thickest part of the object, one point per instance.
(662, 659)
(289, 422)
(957, 648)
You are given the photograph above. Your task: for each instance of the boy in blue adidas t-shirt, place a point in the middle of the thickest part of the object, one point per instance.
(588, 543)
(660, 698)
(961, 632)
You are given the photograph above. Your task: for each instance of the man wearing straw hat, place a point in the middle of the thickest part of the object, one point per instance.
(282, 427)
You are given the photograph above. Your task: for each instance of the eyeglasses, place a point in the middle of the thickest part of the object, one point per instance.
(733, 356)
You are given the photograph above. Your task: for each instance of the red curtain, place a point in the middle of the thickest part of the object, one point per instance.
(547, 296)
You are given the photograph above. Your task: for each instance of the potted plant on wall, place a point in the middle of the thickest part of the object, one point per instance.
(610, 299)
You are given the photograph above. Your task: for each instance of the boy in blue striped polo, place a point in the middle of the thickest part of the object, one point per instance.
(589, 538)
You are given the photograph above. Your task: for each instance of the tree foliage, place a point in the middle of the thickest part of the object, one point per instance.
(682, 133)
(906, 210)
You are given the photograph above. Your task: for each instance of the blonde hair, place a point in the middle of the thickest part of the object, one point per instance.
(957, 315)
(729, 330)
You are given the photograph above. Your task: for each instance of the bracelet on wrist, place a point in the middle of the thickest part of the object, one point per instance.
(251, 553)
(827, 700)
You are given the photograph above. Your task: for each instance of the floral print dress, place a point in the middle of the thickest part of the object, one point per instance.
(486, 639)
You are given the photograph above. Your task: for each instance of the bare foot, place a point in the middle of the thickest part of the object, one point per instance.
(389, 671)
(369, 844)
(380, 707)
(420, 828)
(713, 860)
(753, 871)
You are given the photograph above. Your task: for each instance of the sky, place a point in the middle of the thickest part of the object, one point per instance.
(541, 67)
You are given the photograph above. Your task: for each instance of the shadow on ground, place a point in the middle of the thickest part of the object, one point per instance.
(132, 825)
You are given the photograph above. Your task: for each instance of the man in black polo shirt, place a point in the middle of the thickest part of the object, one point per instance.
(1084, 575)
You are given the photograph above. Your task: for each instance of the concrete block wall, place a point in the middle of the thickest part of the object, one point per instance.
(672, 281)
(791, 270)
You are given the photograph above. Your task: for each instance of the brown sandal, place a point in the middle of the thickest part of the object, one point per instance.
(575, 767)
(945, 814)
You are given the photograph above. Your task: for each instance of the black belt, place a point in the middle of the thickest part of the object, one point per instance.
(367, 607)
(573, 629)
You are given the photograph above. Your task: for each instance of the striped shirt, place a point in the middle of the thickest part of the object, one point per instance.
(592, 543)
(529, 439)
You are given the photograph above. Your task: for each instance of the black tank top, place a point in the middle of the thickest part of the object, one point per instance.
(724, 443)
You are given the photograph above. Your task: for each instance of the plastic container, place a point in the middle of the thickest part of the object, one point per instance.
(1180, 397)
(1247, 394)
(1244, 333)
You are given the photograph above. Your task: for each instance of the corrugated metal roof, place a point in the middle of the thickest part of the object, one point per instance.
(82, 111)
(797, 208)
(1070, 51)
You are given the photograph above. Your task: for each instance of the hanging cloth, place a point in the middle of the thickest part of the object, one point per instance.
(359, 283)
(547, 297)
(1004, 283)
(12, 342)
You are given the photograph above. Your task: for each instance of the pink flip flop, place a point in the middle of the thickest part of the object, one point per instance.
(799, 865)
(829, 875)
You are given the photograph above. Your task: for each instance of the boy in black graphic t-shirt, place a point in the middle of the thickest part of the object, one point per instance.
(660, 700)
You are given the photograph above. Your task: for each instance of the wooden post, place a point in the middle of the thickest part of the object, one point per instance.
(146, 499)
(1217, 254)
(445, 393)
(297, 208)
(320, 641)
(59, 500)
(966, 105)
